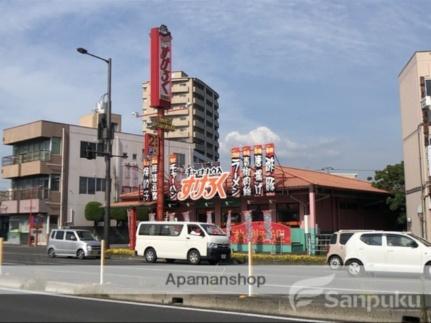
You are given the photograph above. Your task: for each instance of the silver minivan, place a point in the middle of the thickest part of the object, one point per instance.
(73, 242)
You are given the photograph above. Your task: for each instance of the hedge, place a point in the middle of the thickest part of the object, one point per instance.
(258, 258)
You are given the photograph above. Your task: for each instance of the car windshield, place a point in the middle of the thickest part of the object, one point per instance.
(85, 236)
(213, 230)
(425, 242)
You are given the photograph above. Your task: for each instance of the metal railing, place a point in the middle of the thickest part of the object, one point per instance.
(28, 193)
(42, 155)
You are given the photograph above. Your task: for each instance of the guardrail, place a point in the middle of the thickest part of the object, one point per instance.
(42, 155)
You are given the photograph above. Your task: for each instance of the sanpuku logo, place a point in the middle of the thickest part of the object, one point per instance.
(304, 291)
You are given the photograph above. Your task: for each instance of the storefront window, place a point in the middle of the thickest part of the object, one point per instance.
(202, 215)
(257, 211)
(287, 213)
(235, 216)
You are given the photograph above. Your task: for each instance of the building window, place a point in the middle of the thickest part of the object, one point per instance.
(82, 185)
(428, 87)
(181, 159)
(55, 183)
(134, 156)
(84, 145)
(91, 185)
(287, 213)
(56, 145)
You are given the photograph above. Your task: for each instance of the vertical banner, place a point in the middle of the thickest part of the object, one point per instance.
(173, 171)
(246, 171)
(228, 222)
(269, 169)
(161, 67)
(152, 216)
(150, 145)
(248, 225)
(267, 224)
(186, 216)
(235, 171)
(209, 217)
(146, 181)
(258, 172)
(154, 179)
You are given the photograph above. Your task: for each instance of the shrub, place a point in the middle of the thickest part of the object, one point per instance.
(94, 212)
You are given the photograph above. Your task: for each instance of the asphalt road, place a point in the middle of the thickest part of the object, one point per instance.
(24, 255)
(49, 308)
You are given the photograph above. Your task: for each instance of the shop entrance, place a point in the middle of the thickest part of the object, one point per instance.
(4, 227)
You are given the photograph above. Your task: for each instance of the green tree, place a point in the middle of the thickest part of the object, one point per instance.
(391, 179)
(119, 214)
(143, 213)
(94, 212)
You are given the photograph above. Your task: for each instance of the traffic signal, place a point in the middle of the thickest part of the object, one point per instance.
(90, 150)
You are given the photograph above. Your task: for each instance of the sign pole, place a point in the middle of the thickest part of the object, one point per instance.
(250, 268)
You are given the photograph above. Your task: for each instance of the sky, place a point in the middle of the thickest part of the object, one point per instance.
(317, 78)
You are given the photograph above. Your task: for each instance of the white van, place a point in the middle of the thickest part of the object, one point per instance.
(190, 241)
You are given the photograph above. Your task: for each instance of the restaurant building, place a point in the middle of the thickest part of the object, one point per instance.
(305, 203)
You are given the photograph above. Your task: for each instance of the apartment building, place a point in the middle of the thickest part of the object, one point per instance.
(194, 113)
(415, 103)
(52, 180)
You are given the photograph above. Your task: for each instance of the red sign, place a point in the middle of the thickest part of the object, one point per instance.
(206, 187)
(280, 233)
(150, 144)
(161, 67)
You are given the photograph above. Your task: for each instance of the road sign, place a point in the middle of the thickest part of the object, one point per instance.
(162, 123)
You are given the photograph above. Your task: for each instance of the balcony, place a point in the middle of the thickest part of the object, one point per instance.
(180, 88)
(40, 162)
(180, 123)
(36, 200)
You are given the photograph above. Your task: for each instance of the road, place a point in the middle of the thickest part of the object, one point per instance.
(34, 307)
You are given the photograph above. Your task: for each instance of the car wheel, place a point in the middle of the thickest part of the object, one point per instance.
(355, 268)
(194, 257)
(150, 255)
(51, 253)
(335, 262)
(80, 254)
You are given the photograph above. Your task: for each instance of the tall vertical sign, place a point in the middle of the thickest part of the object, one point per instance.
(172, 177)
(246, 171)
(235, 172)
(161, 67)
(154, 180)
(146, 181)
(160, 98)
(258, 172)
(269, 169)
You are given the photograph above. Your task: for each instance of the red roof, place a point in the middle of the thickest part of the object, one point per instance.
(299, 177)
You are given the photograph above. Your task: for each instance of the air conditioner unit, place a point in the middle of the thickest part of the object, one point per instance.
(426, 102)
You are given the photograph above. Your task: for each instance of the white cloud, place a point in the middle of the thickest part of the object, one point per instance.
(309, 153)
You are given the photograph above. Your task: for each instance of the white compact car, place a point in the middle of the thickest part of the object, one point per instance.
(384, 251)
(190, 241)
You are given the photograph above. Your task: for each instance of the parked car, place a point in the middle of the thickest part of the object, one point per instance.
(71, 242)
(336, 252)
(384, 251)
(190, 241)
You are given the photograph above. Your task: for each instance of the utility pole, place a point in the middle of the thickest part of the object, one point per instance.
(106, 136)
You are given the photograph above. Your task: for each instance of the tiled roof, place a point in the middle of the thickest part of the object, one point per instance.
(299, 177)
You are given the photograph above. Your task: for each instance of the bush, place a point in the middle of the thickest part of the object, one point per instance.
(120, 252)
(119, 214)
(94, 212)
(280, 259)
(143, 213)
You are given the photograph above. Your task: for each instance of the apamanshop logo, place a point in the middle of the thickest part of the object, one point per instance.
(304, 291)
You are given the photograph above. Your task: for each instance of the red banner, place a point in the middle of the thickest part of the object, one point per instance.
(280, 233)
(161, 66)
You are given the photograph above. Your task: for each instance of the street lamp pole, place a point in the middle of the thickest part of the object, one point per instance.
(107, 143)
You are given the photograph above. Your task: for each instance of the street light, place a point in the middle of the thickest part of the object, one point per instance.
(107, 143)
